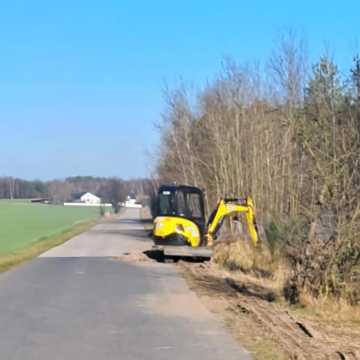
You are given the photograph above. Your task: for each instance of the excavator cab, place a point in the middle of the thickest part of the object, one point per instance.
(180, 216)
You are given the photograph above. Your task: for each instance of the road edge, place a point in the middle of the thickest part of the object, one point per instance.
(28, 253)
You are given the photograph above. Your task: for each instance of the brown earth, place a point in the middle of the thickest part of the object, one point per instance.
(134, 256)
(264, 324)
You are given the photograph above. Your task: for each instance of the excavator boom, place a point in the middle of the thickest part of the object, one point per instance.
(232, 207)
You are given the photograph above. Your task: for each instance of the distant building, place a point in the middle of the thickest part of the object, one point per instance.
(89, 198)
(130, 203)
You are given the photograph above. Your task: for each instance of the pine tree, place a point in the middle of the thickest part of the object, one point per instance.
(355, 77)
(325, 88)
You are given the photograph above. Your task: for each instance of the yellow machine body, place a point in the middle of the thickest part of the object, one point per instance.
(181, 219)
(177, 228)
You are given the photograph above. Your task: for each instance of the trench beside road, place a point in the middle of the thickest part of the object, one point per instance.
(79, 301)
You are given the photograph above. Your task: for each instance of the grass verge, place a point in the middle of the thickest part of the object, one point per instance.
(17, 257)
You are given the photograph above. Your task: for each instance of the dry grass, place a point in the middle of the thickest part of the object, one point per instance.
(257, 266)
(242, 255)
(17, 257)
(256, 263)
(267, 326)
(327, 309)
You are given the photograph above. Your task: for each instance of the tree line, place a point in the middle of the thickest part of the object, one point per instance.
(112, 190)
(288, 134)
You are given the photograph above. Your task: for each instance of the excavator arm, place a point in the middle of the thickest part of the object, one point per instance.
(232, 207)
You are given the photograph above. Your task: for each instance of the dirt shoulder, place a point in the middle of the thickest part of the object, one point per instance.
(266, 326)
(263, 323)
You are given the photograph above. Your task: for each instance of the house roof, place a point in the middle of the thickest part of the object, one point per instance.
(79, 195)
(89, 193)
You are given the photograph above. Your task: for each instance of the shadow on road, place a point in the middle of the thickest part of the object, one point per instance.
(158, 255)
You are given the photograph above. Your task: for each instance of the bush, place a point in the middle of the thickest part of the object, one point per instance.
(242, 255)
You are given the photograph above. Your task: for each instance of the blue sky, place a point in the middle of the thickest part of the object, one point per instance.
(81, 81)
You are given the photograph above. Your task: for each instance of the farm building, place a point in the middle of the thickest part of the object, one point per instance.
(89, 198)
(130, 203)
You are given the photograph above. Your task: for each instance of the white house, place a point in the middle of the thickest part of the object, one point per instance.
(89, 198)
(130, 203)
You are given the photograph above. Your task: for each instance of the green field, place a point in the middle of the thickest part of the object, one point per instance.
(23, 224)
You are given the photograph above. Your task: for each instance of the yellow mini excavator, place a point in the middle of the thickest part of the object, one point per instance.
(180, 228)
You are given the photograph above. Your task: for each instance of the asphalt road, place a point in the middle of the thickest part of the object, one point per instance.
(79, 302)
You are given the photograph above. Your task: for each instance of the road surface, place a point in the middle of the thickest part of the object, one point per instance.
(79, 301)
